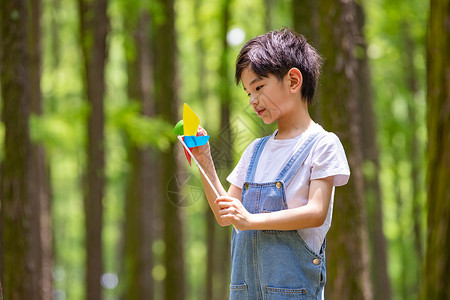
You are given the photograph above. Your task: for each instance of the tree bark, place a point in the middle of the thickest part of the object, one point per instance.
(305, 17)
(211, 224)
(40, 178)
(268, 5)
(94, 27)
(414, 151)
(412, 83)
(141, 196)
(347, 248)
(224, 143)
(21, 252)
(166, 85)
(437, 260)
(381, 283)
(55, 41)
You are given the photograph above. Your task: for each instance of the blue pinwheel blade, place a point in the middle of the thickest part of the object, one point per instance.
(195, 141)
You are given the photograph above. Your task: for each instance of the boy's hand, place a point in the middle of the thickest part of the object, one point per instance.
(233, 212)
(202, 153)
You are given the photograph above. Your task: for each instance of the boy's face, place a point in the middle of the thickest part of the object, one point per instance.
(269, 97)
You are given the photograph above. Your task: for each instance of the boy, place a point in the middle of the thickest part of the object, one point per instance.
(282, 189)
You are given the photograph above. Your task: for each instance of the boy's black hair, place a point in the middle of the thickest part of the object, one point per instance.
(276, 52)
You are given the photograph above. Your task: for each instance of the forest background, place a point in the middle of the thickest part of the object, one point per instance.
(97, 200)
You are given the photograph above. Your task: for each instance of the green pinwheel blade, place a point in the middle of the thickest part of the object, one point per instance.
(179, 128)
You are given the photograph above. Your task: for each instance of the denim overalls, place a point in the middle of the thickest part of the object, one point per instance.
(272, 264)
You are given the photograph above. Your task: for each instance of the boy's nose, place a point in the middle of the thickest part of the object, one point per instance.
(253, 101)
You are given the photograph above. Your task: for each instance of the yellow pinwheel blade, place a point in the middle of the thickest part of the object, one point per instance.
(190, 121)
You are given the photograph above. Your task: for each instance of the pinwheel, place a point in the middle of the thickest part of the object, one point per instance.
(187, 129)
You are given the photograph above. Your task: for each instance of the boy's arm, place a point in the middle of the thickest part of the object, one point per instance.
(233, 192)
(310, 215)
(210, 195)
(203, 156)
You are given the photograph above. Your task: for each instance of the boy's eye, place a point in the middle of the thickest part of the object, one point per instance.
(257, 89)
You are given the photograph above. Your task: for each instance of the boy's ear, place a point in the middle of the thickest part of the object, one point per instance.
(295, 78)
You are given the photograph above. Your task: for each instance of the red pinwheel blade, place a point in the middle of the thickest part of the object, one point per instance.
(188, 156)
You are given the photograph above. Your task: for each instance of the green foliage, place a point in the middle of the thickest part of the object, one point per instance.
(53, 130)
(143, 131)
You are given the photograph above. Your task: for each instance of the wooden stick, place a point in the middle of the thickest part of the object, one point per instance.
(180, 138)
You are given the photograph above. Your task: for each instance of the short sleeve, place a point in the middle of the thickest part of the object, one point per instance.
(237, 176)
(328, 159)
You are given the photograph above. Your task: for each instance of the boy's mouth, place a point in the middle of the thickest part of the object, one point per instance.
(259, 112)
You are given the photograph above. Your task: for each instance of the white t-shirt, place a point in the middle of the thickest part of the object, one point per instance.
(326, 158)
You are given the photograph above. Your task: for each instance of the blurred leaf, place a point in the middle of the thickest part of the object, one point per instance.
(143, 131)
(62, 131)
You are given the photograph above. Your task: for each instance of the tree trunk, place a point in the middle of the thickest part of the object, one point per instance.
(40, 179)
(55, 41)
(305, 17)
(20, 227)
(348, 255)
(268, 5)
(381, 283)
(211, 224)
(140, 195)
(402, 288)
(224, 143)
(93, 31)
(415, 152)
(437, 260)
(218, 238)
(166, 104)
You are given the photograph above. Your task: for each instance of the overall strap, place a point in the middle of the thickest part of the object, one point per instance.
(255, 158)
(297, 159)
